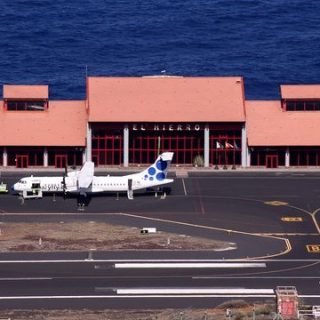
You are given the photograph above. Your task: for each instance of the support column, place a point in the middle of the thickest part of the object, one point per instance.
(244, 146)
(5, 157)
(248, 158)
(45, 157)
(206, 145)
(126, 146)
(89, 143)
(84, 156)
(287, 158)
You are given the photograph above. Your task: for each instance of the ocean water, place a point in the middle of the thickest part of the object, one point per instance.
(268, 42)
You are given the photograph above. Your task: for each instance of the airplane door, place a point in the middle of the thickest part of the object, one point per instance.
(61, 160)
(22, 161)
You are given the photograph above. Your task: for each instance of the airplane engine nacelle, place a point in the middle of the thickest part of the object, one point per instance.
(130, 189)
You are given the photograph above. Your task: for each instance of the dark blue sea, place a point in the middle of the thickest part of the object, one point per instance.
(54, 42)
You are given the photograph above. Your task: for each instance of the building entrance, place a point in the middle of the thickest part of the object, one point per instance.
(65, 156)
(25, 156)
(267, 157)
(61, 160)
(22, 161)
(272, 161)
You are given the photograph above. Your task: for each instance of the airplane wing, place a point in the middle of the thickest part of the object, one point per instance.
(85, 176)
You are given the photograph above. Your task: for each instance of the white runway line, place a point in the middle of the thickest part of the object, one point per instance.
(184, 291)
(187, 265)
(184, 187)
(141, 296)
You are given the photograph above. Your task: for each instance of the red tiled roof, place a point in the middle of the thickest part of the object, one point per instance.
(269, 125)
(300, 91)
(63, 124)
(25, 92)
(165, 99)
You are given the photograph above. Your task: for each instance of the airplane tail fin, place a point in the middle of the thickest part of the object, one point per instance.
(159, 169)
(85, 176)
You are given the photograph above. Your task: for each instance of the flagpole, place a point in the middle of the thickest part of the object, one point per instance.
(234, 156)
(216, 166)
(225, 156)
(159, 142)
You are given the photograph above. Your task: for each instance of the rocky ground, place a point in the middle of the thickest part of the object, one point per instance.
(82, 236)
(240, 310)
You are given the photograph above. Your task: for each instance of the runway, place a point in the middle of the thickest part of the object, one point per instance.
(101, 284)
(273, 218)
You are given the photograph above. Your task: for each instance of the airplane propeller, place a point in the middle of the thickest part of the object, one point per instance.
(64, 185)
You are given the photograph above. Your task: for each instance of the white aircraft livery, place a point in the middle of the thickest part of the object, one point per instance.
(84, 181)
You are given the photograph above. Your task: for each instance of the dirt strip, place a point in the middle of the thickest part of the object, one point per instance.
(79, 236)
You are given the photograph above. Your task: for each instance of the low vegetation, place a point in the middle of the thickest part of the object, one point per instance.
(81, 236)
(218, 313)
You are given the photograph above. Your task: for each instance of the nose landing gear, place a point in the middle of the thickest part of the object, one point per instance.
(83, 200)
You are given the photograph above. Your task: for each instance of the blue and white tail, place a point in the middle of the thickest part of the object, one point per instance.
(157, 172)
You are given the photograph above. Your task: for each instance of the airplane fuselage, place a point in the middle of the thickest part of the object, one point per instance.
(84, 181)
(99, 184)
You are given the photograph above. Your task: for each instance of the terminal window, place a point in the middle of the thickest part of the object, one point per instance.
(26, 105)
(301, 105)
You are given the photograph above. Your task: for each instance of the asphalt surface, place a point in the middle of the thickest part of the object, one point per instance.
(250, 209)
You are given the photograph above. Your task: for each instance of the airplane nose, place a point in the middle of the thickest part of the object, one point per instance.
(14, 190)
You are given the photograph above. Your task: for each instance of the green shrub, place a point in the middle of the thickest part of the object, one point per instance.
(198, 161)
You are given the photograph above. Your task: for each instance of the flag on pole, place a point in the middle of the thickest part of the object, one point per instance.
(228, 145)
(218, 145)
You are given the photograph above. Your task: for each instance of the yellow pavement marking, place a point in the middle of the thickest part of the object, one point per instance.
(313, 215)
(313, 248)
(292, 219)
(285, 240)
(276, 203)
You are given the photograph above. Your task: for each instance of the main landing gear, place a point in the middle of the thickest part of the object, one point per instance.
(83, 200)
(161, 192)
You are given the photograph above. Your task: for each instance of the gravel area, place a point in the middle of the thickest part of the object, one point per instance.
(79, 236)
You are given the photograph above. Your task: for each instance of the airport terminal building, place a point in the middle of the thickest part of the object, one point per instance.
(127, 121)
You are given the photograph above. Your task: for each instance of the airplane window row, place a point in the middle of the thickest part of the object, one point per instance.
(109, 184)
